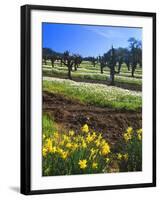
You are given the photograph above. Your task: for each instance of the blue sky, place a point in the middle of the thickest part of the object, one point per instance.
(86, 40)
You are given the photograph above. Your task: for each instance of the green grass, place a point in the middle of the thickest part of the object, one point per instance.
(48, 125)
(91, 76)
(95, 94)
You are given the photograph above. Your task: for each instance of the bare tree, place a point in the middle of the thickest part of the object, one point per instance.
(102, 62)
(77, 61)
(110, 59)
(53, 58)
(93, 61)
(112, 65)
(68, 60)
(136, 53)
(46, 54)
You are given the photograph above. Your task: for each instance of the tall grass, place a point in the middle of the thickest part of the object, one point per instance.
(48, 125)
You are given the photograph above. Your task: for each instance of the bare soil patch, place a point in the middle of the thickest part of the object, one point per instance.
(71, 114)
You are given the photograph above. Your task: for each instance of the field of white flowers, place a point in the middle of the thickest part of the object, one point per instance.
(95, 94)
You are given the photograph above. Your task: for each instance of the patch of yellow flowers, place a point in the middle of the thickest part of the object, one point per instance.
(87, 151)
(129, 134)
(82, 164)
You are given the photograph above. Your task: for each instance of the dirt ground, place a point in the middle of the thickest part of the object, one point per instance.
(70, 114)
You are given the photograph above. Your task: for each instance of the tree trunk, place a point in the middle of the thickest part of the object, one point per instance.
(112, 78)
(75, 67)
(101, 70)
(119, 67)
(133, 70)
(69, 72)
(112, 72)
(128, 66)
(52, 63)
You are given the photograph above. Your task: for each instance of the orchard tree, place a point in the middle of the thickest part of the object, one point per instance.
(68, 60)
(59, 58)
(127, 59)
(122, 55)
(53, 58)
(77, 61)
(93, 61)
(136, 53)
(110, 58)
(111, 64)
(139, 53)
(102, 62)
(46, 54)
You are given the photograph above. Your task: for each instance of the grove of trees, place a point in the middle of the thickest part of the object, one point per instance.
(131, 56)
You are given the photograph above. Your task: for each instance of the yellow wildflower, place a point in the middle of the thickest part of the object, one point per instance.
(69, 145)
(107, 160)
(75, 146)
(139, 131)
(105, 149)
(85, 128)
(93, 153)
(89, 138)
(64, 155)
(97, 142)
(54, 150)
(100, 136)
(94, 165)
(139, 134)
(49, 144)
(103, 142)
(61, 143)
(82, 164)
(44, 152)
(59, 150)
(56, 134)
(129, 130)
(71, 132)
(66, 138)
(78, 138)
(119, 156)
(125, 156)
(84, 145)
(94, 135)
(127, 136)
(139, 137)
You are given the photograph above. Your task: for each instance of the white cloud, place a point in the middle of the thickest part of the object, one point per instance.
(106, 33)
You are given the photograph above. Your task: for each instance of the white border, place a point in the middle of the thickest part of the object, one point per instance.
(42, 183)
